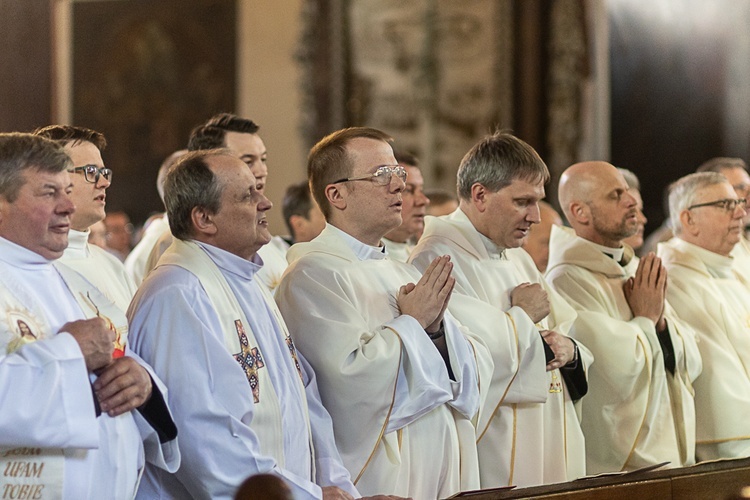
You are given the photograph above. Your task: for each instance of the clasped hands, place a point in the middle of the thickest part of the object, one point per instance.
(533, 299)
(122, 384)
(645, 292)
(428, 299)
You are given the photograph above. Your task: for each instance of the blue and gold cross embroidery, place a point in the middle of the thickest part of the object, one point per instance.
(251, 360)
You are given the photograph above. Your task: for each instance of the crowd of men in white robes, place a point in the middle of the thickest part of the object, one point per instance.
(377, 351)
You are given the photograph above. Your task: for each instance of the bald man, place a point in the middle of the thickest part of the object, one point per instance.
(537, 242)
(639, 410)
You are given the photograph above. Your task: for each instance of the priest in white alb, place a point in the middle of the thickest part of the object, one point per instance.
(528, 432)
(80, 414)
(244, 400)
(640, 409)
(399, 376)
(709, 294)
(90, 181)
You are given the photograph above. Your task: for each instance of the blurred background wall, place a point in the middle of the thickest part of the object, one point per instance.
(655, 86)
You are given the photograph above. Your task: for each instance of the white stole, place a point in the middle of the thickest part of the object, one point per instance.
(39, 472)
(241, 343)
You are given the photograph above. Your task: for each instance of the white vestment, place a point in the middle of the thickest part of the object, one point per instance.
(636, 413)
(741, 258)
(273, 257)
(402, 425)
(99, 267)
(274, 262)
(529, 432)
(714, 299)
(177, 326)
(398, 251)
(46, 393)
(136, 263)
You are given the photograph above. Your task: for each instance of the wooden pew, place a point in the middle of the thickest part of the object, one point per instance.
(721, 480)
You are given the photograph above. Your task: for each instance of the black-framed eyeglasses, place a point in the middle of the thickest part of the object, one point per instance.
(728, 204)
(92, 173)
(382, 176)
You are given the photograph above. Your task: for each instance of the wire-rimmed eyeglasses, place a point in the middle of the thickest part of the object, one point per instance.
(91, 173)
(382, 176)
(728, 204)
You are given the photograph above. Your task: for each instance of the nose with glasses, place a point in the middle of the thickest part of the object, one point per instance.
(92, 173)
(382, 176)
(728, 204)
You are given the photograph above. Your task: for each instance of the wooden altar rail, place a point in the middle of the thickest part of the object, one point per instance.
(707, 481)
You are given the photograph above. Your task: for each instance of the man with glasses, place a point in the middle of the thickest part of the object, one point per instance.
(735, 170)
(709, 294)
(90, 180)
(639, 410)
(528, 431)
(395, 372)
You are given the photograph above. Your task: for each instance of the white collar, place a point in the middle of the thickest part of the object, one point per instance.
(363, 251)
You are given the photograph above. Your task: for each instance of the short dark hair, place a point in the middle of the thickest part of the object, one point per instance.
(498, 160)
(405, 158)
(20, 152)
(190, 183)
(297, 201)
(65, 134)
(328, 160)
(211, 134)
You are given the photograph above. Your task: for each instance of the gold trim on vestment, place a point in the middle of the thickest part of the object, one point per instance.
(565, 422)
(518, 349)
(513, 447)
(390, 410)
(727, 440)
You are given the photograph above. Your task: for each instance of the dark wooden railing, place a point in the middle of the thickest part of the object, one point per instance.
(721, 480)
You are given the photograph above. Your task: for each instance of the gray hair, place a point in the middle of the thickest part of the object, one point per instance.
(20, 152)
(721, 163)
(496, 161)
(630, 179)
(190, 183)
(683, 191)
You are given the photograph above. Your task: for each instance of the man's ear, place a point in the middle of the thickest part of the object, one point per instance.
(580, 212)
(203, 221)
(688, 223)
(336, 195)
(479, 195)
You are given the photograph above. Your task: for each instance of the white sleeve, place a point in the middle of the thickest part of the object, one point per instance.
(172, 329)
(329, 468)
(46, 396)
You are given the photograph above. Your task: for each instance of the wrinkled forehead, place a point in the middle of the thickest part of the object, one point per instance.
(229, 169)
(34, 179)
(720, 191)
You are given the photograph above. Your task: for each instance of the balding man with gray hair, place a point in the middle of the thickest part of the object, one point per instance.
(640, 385)
(708, 294)
(735, 170)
